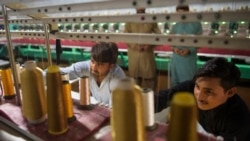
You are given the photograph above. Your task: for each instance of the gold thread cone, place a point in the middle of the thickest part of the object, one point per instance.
(33, 94)
(127, 112)
(183, 121)
(57, 121)
(68, 100)
(8, 84)
(84, 91)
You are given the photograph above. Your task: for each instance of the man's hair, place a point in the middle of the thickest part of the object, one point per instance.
(182, 7)
(227, 72)
(105, 52)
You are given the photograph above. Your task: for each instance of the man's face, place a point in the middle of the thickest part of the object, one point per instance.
(99, 69)
(209, 93)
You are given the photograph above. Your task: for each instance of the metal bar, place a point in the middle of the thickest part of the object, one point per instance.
(24, 21)
(225, 16)
(11, 55)
(47, 44)
(8, 124)
(159, 39)
(32, 34)
(4, 2)
(171, 17)
(36, 3)
(110, 5)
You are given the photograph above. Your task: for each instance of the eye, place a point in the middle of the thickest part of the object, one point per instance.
(197, 86)
(209, 92)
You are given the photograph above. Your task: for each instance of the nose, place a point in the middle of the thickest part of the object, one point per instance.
(200, 95)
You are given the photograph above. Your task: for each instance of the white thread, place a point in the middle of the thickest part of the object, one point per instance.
(148, 107)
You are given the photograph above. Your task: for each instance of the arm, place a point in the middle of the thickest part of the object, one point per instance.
(117, 74)
(164, 97)
(78, 69)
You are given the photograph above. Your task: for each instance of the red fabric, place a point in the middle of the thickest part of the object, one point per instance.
(87, 123)
(164, 48)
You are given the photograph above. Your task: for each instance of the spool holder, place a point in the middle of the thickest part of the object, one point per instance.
(152, 128)
(85, 107)
(71, 119)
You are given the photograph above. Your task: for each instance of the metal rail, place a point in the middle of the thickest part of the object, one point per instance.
(109, 5)
(11, 56)
(225, 16)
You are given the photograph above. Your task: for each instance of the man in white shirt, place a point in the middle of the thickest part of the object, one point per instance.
(102, 70)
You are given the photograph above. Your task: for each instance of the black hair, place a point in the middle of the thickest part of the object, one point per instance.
(182, 7)
(105, 52)
(227, 72)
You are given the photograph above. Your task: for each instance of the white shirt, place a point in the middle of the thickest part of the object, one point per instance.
(103, 92)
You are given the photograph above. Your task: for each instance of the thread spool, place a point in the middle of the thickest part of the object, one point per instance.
(127, 121)
(183, 121)
(18, 72)
(84, 94)
(7, 81)
(33, 93)
(67, 97)
(148, 109)
(57, 121)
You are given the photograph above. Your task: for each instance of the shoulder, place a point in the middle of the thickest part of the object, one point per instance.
(236, 104)
(237, 117)
(117, 71)
(236, 112)
(82, 63)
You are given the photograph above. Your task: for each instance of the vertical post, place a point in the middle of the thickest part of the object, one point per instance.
(11, 54)
(169, 72)
(47, 44)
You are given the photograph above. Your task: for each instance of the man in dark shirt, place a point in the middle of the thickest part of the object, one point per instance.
(221, 111)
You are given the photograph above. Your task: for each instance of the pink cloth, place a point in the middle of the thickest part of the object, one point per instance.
(87, 123)
(159, 134)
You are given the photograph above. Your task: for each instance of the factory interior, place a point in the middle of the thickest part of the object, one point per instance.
(63, 32)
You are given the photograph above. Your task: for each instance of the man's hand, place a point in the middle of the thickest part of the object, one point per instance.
(142, 48)
(176, 50)
(182, 52)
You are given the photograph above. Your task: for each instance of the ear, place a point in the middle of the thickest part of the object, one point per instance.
(231, 92)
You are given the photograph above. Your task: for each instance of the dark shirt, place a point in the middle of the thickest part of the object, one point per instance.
(230, 120)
